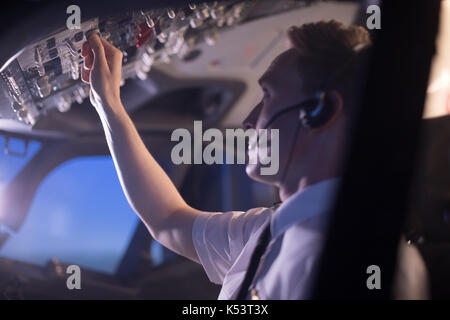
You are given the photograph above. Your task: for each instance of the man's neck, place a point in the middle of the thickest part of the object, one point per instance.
(286, 190)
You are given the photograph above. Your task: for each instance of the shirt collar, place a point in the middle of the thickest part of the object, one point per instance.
(312, 201)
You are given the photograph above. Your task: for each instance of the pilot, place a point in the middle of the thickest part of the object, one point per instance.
(311, 92)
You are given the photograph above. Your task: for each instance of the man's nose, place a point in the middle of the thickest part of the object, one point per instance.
(252, 118)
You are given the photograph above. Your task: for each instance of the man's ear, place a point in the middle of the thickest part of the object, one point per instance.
(335, 106)
(336, 102)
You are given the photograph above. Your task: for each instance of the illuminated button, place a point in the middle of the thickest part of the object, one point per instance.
(22, 114)
(145, 34)
(16, 107)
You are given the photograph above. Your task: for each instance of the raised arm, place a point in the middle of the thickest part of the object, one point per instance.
(147, 187)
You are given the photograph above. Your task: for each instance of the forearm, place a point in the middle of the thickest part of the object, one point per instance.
(147, 187)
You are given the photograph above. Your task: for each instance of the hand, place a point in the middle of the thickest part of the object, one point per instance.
(102, 69)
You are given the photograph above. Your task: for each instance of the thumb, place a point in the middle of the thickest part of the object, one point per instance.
(99, 51)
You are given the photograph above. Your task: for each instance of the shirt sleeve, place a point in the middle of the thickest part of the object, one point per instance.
(220, 237)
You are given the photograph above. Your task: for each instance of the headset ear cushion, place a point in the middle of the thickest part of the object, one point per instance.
(316, 111)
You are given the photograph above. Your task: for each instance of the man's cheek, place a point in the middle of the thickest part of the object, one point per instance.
(252, 157)
(269, 153)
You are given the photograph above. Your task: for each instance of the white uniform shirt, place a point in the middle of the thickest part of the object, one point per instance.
(225, 242)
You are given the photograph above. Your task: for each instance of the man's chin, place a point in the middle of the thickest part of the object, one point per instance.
(254, 172)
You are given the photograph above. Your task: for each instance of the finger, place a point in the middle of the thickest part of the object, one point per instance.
(85, 74)
(88, 56)
(99, 51)
(108, 46)
(85, 49)
(113, 56)
(89, 61)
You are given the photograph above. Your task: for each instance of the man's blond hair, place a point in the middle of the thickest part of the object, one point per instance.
(329, 53)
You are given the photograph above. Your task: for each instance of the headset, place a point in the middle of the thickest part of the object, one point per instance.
(313, 112)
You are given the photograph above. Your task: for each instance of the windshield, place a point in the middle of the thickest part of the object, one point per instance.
(12, 163)
(79, 215)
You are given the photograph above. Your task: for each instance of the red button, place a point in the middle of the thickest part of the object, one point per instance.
(145, 34)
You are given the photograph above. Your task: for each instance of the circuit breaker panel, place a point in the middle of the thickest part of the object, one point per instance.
(46, 74)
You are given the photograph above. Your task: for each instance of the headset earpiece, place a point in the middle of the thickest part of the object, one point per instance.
(316, 112)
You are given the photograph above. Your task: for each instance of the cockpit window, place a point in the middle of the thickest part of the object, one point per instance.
(14, 155)
(78, 216)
